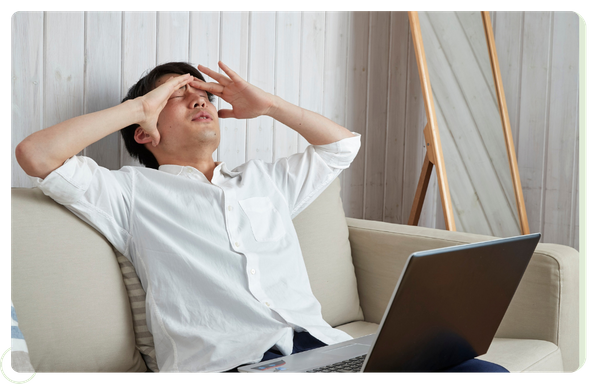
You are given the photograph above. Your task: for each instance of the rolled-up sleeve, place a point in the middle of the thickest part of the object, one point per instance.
(340, 154)
(303, 176)
(68, 183)
(98, 196)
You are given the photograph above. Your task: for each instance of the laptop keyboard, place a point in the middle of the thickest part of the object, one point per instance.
(350, 365)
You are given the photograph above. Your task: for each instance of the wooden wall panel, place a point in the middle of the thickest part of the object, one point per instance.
(27, 83)
(356, 68)
(103, 79)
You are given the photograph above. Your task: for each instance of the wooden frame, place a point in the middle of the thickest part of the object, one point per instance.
(432, 137)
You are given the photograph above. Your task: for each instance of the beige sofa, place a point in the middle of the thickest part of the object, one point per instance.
(81, 308)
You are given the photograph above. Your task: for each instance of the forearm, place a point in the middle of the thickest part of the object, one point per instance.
(316, 129)
(45, 150)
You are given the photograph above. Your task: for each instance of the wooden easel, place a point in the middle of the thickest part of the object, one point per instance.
(432, 138)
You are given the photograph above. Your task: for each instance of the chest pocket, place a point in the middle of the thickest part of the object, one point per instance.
(265, 220)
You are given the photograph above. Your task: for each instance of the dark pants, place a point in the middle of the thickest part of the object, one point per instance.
(304, 341)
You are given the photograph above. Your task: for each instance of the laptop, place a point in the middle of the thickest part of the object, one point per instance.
(446, 308)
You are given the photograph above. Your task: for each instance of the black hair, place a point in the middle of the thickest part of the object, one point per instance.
(144, 85)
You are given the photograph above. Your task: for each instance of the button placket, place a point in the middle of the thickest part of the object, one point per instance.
(229, 220)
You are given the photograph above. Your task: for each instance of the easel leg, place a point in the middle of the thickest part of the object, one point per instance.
(415, 212)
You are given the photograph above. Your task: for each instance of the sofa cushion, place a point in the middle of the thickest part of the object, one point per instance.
(323, 234)
(524, 355)
(68, 291)
(144, 341)
(359, 328)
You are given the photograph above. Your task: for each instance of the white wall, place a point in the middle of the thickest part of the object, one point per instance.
(356, 68)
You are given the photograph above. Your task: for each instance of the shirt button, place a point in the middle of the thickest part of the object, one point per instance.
(237, 244)
(252, 271)
(230, 208)
(267, 304)
(189, 170)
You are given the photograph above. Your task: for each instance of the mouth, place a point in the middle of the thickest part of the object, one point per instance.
(202, 116)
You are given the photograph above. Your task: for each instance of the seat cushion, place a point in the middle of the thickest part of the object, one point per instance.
(523, 355)
(359, 328)
(323, 234)
(516, 355)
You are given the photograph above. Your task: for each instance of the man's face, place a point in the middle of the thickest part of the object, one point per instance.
(188, 120)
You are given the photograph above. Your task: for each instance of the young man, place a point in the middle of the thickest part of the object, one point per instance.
(215, 249)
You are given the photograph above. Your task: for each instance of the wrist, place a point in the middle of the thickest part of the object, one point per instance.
(274, 109)
(135, 109)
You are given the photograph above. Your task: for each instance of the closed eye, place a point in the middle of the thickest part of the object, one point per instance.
(179, 93)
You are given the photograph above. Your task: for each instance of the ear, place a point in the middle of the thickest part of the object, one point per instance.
(141, 137)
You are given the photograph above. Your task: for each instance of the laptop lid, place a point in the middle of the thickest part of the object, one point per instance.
(448, 305)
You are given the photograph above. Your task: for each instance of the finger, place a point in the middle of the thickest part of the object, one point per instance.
(214, 75)
(183, 80)
(226, 113)
(155, 137)
(232, 75)
(178, 81)
(214, 88)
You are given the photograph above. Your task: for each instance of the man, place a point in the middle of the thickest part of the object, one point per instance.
(215, 249)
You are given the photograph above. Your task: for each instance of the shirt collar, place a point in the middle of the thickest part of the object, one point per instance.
(180, 169)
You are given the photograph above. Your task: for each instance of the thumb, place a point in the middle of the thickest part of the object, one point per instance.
(226, 113)
(155, 136)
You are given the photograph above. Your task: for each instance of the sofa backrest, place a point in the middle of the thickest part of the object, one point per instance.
(67, 291)
(70, 297)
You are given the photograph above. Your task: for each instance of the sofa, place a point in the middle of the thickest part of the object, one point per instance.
(81, 308)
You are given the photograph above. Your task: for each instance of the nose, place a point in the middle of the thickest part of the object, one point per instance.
(200, 102)
(196, 98)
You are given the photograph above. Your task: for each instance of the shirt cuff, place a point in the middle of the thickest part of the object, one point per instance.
(67, 183)
(340, 153)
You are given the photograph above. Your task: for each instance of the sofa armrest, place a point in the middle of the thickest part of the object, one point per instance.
(545, 306)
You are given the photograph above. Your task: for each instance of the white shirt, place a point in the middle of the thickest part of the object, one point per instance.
(220, 261)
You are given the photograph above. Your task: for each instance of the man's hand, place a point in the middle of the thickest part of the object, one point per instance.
(247, 101)
(154, 101)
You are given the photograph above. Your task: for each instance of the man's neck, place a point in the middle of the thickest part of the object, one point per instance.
(206, 166)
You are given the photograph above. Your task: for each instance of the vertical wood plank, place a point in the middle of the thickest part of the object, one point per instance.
(379, 42)
(336, 53)
(63, 72)
(172, 41)
(562, 124)
(399, 58)
(234, 53)
(138, 56)
(26, 75)
(312, 65)
(103, 78)
(261, 72)
(533, 114)
(205, 39)
(205, 28)
(335, 69)
(356, 110)
(287, 77)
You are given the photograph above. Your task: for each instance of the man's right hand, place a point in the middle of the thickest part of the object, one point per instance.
(154, 101)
